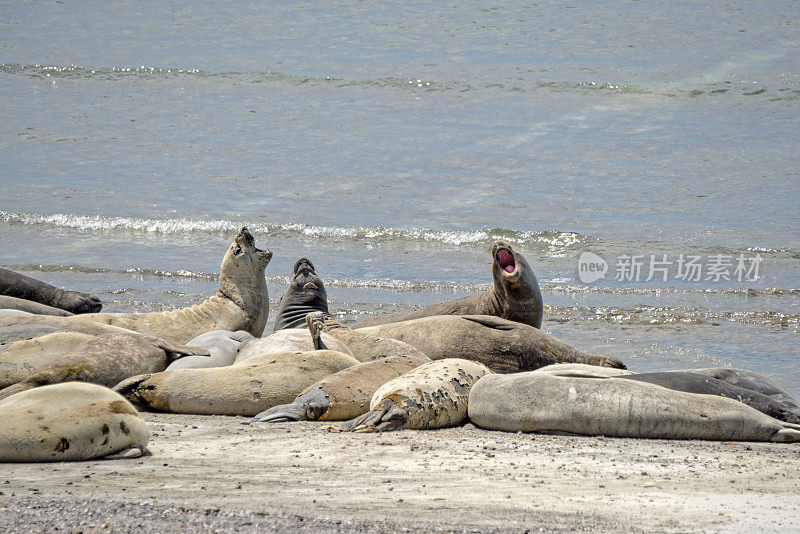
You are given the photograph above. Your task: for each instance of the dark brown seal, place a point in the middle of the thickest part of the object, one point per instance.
(24, 287)
(305, 294)
(514, 295)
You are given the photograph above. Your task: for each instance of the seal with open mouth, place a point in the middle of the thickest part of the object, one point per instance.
(514, 295)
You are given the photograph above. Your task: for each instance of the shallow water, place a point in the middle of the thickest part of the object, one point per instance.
(392, 146)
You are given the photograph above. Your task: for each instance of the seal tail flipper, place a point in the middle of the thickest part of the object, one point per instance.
(283, 413)
(385, 416)
(129, 388)
(608, 361)
(314, 322)
(175, 351)
(786, 435)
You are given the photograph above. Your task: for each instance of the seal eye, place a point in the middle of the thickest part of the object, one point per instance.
(237, 250)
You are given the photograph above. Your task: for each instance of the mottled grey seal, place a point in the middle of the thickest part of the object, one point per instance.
(752, 381)
(222, 344)
(514, 295)
(242, 302)
(105, 360)
(433, 395)
(502, 345)
(363, 345)
(245, 388)
(343, 395)
(543, 402)
(24, 287)
(708, 385)
(70, 421)
(305, 294)
(30, 306)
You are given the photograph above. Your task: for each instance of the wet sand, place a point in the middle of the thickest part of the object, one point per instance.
(225, 474)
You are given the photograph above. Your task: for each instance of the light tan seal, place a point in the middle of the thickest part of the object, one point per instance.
(543, 402)
(245, 388)
(433, 395)
(288, 340)
(503, 346)
(70, 421)
(107, 360)
(22, 358)
(242, 302)
(514, 295)
(343, 395)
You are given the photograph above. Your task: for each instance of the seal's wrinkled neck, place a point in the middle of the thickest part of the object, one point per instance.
(241, 276)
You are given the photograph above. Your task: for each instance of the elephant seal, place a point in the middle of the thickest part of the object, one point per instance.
(708, 385)
(343, 395)
(433, 395)
(24, 287)
(362, 345)
(752, 381)
(288, 340)
(222, 344)
(503, 346)
(245, 388)
(12, 333)
(583, 370)
(617, 407)
(6, 312)
(305, 294)
(242, 302)
(24, 357)
(105, 360)
(30, 306)
(67, 422)
(514, 295)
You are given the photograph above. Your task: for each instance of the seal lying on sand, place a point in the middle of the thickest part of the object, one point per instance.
(306, 294)
(241, 303)
(433, 395)
(24, 287)
(363, 345)
(106, 360)
(22, 358)
(245, 388)
(222, 344)
(71, 421)
(708, 385)
(543, 402)
(30, 306)
(514, 295)
(503, 346)
(343, 395)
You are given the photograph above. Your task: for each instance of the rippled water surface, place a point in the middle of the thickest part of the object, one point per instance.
(392, 144)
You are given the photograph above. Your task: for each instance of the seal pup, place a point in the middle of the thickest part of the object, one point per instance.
(514, 295)
(222, 344)
(67, 422)
(105, 360)
(433, 395)
(503, 346)
(617, 407)
(245, 388)
(343, 395)
(242, 302)
(708, 385)
(364, 346)
(30, 306)
(24, 287)
(305, 294)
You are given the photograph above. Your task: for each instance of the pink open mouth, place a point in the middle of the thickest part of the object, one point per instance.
(506, 261)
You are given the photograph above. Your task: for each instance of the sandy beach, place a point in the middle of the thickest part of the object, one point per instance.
(226, 474)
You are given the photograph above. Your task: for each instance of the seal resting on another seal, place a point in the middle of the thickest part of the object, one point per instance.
(245, 388)
(222, 344)
(21, 358)
(514, 295)
(242, 302)
(503, 346)
(105, 360)
(305, 294)
(433, 395)
(70, 421)
(24, 287)
(343, 395)
(30, 306)
(618, 407)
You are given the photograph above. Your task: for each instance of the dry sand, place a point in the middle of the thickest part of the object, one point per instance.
(216, 473)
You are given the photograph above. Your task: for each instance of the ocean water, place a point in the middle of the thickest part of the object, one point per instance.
(393, 143)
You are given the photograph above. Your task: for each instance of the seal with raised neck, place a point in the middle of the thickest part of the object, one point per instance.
(305, 294)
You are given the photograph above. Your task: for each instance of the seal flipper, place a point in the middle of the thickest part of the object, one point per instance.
(308, 406)
(315, 321)
(387, 415)
(786, 435)
(175, 351)
(129, 387)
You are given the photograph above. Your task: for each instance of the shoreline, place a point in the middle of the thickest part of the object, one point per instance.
(228, 474)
